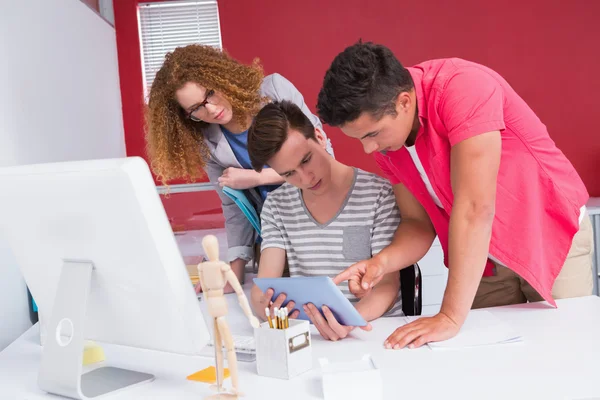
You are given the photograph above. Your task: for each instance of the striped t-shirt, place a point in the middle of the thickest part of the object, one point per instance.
(364, 225)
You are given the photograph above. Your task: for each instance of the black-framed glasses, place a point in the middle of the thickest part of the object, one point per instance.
(200, 106)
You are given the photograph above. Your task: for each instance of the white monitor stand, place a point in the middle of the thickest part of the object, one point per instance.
(62, 355)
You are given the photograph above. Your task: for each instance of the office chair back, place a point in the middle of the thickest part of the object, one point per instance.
(411, 290)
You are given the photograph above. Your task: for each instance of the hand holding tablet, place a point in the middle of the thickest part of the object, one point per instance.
(319, 291)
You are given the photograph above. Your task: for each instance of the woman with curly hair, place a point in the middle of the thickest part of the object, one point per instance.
(201, 104)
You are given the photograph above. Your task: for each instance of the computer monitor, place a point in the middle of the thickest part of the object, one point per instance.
(98, 254)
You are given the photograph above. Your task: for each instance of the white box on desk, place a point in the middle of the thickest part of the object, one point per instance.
(283, 353)
(350, 380)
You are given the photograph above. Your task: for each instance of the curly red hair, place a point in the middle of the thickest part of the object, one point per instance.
(176, 144)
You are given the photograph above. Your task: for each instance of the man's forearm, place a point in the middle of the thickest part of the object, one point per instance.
(256, 296)
(238, 267)
(469, 241)
(272, 262)
(410, 243)
(381, 298)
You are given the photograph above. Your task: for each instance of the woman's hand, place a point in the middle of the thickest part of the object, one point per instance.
(239, 178)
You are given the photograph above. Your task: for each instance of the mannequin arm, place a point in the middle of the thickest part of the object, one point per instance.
(235, 284)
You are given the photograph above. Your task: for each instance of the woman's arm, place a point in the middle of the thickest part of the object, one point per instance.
(241, 178)
(268, 176)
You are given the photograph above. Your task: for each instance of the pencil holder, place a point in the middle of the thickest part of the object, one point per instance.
(283, 353)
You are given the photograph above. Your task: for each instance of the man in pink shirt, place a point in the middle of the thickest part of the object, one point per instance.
(470, 162)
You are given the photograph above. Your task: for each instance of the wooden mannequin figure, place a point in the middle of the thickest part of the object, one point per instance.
(214, 275)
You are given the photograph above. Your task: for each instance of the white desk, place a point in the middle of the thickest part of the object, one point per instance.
(557, 360)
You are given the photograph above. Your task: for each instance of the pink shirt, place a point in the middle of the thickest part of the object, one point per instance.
(539, 193)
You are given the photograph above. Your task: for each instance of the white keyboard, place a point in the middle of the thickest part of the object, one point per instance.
(245, 348)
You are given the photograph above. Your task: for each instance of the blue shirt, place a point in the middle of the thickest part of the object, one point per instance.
(239, 145)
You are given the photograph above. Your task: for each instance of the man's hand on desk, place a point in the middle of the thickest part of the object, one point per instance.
(329, 328)
(422, 331)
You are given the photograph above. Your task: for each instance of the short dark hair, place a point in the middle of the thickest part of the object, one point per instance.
(365, 77)
(270, 129)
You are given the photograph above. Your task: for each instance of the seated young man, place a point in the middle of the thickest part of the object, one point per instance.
(324, 218)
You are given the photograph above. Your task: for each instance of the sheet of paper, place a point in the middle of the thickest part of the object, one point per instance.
(481, 328)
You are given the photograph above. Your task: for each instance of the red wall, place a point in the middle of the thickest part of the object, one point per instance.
(547, 49)
(186, 210)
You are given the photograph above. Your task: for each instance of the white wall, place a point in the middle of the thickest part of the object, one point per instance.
(59, 100)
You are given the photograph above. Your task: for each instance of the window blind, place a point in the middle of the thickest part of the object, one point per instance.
(170, 24)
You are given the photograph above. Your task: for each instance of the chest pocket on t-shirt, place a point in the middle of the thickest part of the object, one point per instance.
(356, 243)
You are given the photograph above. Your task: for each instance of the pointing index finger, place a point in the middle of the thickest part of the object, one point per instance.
(346, 274)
